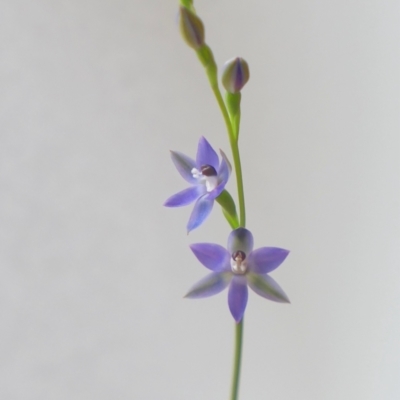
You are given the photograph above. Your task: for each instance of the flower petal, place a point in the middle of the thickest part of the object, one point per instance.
(200, 212)
(210, 285)
(206, 155)
(217, 191)
(266, 259)
(185, 197)
(184, 165)
(240, 239)
(266, 287)
(225, 168)
(212, 256)
(223, 175)
(237, 297)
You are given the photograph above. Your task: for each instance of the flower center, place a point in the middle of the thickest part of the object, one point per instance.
(207, 175)
(238, 263)
(208, 170)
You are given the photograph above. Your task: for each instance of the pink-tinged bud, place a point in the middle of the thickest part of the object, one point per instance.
(192, 28)
(235, 75)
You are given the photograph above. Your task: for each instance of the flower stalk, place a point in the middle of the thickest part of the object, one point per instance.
(238, 266)
(233, 127)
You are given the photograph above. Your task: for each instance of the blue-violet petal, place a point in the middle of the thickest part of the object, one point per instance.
(240, 239)
(225, 168)
(266, 259)
(185, 197)
(212, 284)
(201, 210)
(212, 256)
(217, 191)
(184, 165)
(267, 287)
(237, 297)
(206, 155)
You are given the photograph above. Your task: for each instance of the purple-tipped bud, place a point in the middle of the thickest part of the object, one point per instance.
(192, 28)
(235, 74)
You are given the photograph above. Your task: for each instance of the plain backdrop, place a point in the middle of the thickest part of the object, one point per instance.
(93, 269)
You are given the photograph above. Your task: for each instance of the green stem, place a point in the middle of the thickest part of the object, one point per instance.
(237, 360)
(233, 133)
(239, 180)
(236, 123)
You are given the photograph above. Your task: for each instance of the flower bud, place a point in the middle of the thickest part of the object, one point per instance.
(235, 74)
(192, 28)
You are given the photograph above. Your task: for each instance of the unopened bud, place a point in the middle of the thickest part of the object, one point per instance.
(192, 28)
(235, 75)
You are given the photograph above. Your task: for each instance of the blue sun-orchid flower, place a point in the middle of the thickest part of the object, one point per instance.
(239, 266)
(208, 178)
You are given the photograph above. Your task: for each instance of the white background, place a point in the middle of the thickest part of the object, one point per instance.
(93, 94)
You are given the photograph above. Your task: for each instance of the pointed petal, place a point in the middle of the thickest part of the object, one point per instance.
(217, 191)
(185, 197)
(266, 259)
(212, 256)
(184, 165)
(200, 212)
(267, 287)
(225, 168)
(206, 155)
(223, 176)
(237, 297)
(210, 285)
(240, 239)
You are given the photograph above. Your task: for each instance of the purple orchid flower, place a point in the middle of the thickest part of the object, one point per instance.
(208, 178)
(239, 266)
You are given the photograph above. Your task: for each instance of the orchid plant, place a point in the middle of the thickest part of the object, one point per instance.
(237, 266)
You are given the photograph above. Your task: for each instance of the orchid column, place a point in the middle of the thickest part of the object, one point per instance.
(237, 265)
